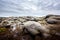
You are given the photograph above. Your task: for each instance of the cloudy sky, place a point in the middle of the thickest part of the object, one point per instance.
(29, 7)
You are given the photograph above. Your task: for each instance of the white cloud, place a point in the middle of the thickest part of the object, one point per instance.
(29, 0)
(29, 7)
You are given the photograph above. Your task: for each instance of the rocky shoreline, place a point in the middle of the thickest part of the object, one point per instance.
(30, 28)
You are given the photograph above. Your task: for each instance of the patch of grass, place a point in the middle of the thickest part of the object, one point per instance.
(2, 30)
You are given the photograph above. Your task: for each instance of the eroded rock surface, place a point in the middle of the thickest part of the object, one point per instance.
(30, 28)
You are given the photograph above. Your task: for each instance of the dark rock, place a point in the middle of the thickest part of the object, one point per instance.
(52, 19)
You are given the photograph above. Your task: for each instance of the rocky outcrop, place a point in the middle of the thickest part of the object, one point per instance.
(30, 28)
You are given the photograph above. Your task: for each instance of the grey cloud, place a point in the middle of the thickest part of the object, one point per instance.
(29, 7)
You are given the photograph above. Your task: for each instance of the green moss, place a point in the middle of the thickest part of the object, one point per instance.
(2, 30)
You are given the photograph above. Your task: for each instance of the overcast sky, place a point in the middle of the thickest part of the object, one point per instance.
(29, 7)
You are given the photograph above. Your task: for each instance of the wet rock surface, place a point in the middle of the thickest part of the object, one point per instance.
(30, 28)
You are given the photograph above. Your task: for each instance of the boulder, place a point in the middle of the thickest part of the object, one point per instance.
(35, 28)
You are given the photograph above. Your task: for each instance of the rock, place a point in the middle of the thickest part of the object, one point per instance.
(28, 28)
(22, 20)
(35, 27)
(48, 16)
(53, 19)
(0, 19)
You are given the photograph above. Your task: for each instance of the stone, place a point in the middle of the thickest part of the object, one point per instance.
(53, 19)
(35, 27)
